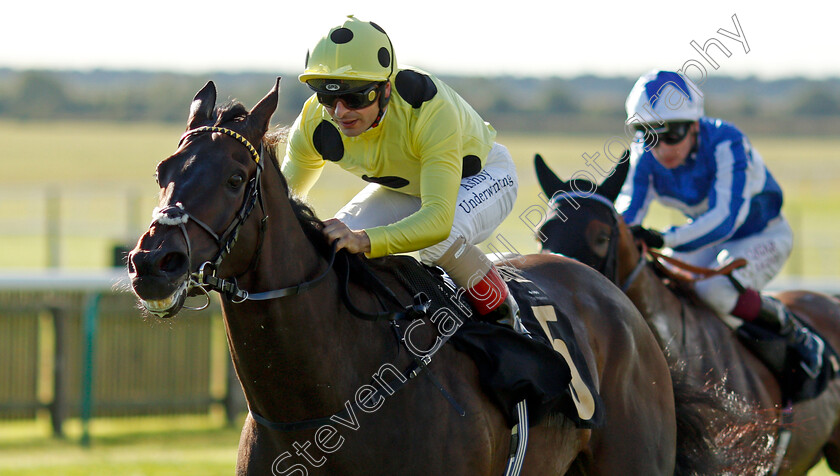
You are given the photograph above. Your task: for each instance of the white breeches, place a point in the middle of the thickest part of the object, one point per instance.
(765, 252)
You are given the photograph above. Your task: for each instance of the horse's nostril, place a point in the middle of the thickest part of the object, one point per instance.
(173, 262)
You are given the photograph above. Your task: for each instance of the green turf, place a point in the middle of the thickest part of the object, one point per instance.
(145, 446)
(173, 446)
(101, 176)
(821, 469)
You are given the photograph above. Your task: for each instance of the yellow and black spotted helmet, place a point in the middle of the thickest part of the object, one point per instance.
(355, 53)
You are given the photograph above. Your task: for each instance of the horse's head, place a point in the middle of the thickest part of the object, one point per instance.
(582, 222)
(208, 189)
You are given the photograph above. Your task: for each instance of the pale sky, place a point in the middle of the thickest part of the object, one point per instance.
(522, 38)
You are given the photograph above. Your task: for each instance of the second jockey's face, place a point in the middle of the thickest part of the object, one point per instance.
(672, 156)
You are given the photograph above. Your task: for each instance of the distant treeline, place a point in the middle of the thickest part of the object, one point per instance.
(580, 104)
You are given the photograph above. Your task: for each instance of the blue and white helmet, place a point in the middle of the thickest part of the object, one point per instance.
(664, 96)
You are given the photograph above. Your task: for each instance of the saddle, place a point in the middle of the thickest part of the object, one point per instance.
(783, 360)
(547, 368)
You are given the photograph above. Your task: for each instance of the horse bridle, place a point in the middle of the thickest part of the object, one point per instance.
(609, 266)
(205, 277)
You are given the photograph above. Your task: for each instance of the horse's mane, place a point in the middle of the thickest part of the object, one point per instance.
(309, 221)
(273, 141)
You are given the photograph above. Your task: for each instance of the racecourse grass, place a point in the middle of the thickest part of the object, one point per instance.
(101, 177)
(97, 179)
(821, 469)
(147, 446)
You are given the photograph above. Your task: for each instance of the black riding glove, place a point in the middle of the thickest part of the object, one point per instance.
(652, 238)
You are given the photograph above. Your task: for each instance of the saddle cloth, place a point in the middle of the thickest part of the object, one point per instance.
(547, 369)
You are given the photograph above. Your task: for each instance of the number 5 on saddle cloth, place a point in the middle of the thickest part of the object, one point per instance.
(547, 370)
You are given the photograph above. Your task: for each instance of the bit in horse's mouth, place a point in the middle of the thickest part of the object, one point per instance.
(168, 306)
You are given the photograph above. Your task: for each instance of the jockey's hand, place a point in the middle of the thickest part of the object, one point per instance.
(350, 240)
(652, 238)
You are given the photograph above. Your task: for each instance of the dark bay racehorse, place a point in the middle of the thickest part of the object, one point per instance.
(301, 355)
(586, 226)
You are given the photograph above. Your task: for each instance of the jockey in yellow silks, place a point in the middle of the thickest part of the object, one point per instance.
(439, 183)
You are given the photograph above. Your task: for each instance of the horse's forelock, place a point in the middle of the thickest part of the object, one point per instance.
(230, 111)
(273, 140)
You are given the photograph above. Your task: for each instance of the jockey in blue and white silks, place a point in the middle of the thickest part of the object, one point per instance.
(723, 187)
(707, 169)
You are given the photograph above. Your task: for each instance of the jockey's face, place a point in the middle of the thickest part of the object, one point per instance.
(353, 122)
(672, 156)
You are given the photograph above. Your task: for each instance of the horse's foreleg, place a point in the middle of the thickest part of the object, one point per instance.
(256, 455)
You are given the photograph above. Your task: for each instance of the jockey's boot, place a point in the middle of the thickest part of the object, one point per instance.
(508, 312)
(775, 315)
(485, 289)
(492, 299)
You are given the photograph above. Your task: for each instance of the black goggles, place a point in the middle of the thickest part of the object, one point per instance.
(671, 133)
(355, 100)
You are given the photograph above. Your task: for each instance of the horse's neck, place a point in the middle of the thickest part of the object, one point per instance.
(296, 356)
(658, 305)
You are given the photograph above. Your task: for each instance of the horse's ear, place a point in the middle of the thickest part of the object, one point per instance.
(548, 180)
(260, 115)
(201, 109)
(611, 186)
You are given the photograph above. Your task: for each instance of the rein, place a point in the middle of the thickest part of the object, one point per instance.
(610, 265)
(206, 280)
(699, 272)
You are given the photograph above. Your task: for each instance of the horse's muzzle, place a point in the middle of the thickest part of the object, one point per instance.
(159, 278)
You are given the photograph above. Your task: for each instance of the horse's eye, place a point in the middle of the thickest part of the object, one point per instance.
(235, 181)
